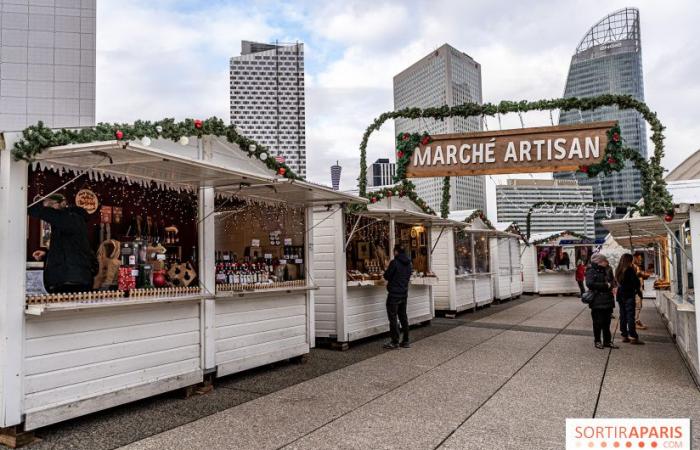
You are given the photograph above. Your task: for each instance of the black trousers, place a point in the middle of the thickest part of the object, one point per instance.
(396, 312)
(580, 286)
(601, 324)
(628, 327)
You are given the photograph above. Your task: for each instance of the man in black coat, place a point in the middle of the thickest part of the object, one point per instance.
(398, 275)
(70, 262)
(600, 281)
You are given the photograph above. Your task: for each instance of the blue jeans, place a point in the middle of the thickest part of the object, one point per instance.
(628, 327)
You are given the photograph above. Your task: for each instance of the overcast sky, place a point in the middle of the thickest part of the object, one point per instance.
(167, 58)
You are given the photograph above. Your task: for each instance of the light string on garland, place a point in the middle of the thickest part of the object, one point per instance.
(657, 200)
(401, 190)
(37, 138)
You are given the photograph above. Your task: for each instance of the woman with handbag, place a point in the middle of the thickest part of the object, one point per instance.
(601, 300)
(629, 287)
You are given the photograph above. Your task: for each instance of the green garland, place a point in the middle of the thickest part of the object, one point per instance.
(514, 228)
(542, 241)
(528, 222)
(404, 189)
(445, 202)
(657, 200)
(480, 214)
(37, 138)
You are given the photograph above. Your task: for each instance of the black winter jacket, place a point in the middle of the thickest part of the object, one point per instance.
(70, 260)
(629, 286)
(600, 281)
(398, 274)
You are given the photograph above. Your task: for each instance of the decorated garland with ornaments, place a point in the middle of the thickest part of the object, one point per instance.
(37, 138)
(480, 214)
(556, 235)
(401, 190)
(657, 200)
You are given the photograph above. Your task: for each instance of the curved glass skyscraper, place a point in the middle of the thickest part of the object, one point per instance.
(608, 60)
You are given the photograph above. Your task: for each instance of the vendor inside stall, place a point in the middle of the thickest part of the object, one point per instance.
(107, 238)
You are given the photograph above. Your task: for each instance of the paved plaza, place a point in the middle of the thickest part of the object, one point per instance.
(504, 377)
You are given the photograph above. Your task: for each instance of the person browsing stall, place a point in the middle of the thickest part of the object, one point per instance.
(398, 275)
(600, 281)
(629, 288)
(70, 262)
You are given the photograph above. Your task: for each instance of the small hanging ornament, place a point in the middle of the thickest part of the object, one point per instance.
(668, 217)
(119, 134)
(616, 137)
(146, 141)
(612, 160)
(252, 148)
(425, 140)
(198, 123)
(184, 140)
(374, 200)
(583, 169)
(159, 129)
(281, 171)
(400, 154)
(263, 156)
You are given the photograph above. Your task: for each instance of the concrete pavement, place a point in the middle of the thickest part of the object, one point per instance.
(507, 380)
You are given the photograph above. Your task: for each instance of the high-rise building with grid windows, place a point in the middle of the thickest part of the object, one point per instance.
(608, 60)
(445, 77)
(47, 63)
(267, 99)
(515, 199)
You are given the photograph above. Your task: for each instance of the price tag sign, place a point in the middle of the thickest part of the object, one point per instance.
(298, 261)
(287, 241)
(160, 257)
(134, 273)
(283, 262)
(227, 257)
(255, 243)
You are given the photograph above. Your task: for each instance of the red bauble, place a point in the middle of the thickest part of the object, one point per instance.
(197, 123)
(425, 140)
(159, 279)
(611, 161)
(119, 134)
(400, 154)
(668, 217)
(616, 137)
(406, 136)
(583, 169)
(281, 171)
(373, 200)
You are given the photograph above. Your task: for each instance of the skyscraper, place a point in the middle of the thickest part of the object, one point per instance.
(267, 99)
(336, 169)
(381, 173)
(608, 60)
(47, 64)
(515, 198)
(445, 77)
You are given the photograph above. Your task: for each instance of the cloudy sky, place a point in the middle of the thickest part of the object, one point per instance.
(167, 58)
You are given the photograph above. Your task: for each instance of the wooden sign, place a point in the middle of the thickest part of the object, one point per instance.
(87, 200)
(542, 149)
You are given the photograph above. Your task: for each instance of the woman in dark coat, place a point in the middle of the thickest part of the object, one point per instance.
(600, 281)
(629, 287)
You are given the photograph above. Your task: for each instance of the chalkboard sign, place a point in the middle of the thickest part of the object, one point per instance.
(35, 282)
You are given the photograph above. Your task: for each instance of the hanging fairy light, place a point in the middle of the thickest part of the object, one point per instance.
(184, 140)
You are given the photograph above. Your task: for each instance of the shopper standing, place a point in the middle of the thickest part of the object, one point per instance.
(581, 275)
(629, 287)
(601, 283)
(398, 275)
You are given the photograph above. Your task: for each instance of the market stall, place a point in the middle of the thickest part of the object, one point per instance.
(351, 300)
(153, 319)
(549, 261)
(672, 240)
(505, 260)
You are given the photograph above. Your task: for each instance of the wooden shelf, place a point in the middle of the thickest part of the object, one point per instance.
(259, 292)
(41, 308)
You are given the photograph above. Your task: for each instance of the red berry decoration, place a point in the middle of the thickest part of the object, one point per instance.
(119, 134)
(583, 169)
(425, 140)
(668, 217)
(406, 136)
(374, 200)
(197, 123)
(281, 171)
(612, 160)
(616, 137)
(400, 154)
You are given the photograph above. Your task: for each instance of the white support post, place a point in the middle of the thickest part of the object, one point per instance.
(207, 272)
(13, 252)
(695, 252)
(308, 264)
(392, 237)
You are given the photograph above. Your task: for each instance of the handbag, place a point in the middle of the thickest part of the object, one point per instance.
(588, 297)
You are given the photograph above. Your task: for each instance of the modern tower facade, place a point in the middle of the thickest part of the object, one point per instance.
(336, 170)
(267, 99)
(515, 198)
(445, 77)
(608, 60)
(381, 173)
(47, 63)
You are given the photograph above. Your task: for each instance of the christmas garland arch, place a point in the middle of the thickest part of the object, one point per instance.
(657, 200)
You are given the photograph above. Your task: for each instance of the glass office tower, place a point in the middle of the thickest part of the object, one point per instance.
(608, 60)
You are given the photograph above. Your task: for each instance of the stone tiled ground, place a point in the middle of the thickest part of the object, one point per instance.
(504, 377)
